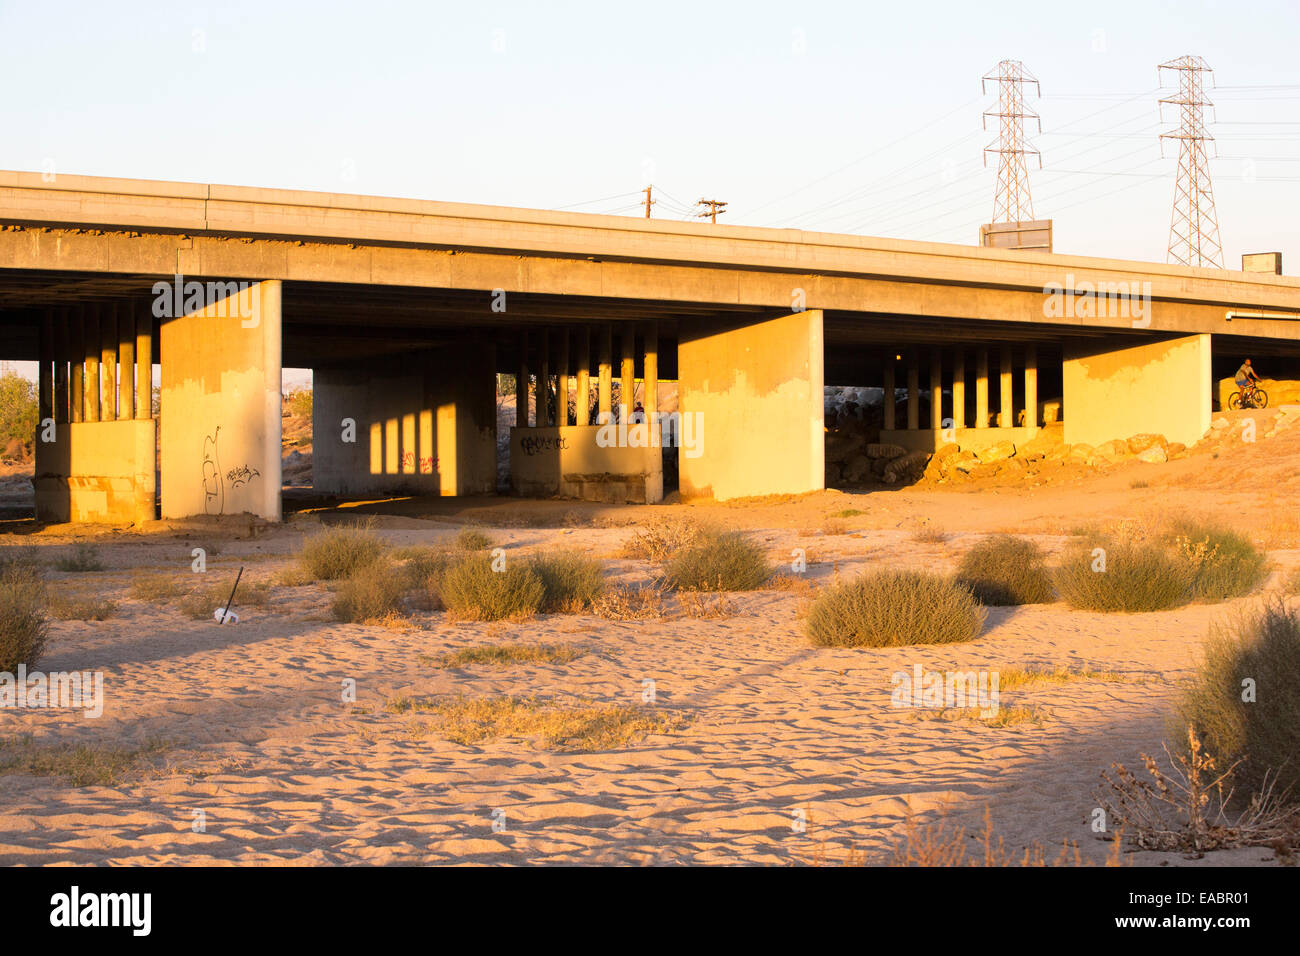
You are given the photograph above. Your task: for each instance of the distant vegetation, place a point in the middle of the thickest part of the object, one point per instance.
(18, 412)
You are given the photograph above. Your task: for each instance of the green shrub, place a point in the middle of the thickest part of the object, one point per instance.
(1136, 576)
(372, 591)
(472, 539)
(84, 557)
(18, 410)
(1226, 563)
(718, 561)
(1262, 647)
(24, 626)
(1003, 569)
(338, 552)
(299, 402)
(891, 608)
(470, 589)
(571, 581)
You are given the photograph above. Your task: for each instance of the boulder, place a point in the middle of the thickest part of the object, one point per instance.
(857, 468)
(1140, 443)
(887, 452)
(1116, 450)
(998, 451)
(1176, 449)
(1219, 424)
(908, 468)
(1153, 454)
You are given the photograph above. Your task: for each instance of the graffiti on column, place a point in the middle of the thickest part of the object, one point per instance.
(241, 475)
(214, 489)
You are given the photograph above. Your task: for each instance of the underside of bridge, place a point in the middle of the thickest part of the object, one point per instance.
(406, 386)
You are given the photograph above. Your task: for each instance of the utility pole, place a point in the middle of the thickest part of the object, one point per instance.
(716, 206)
(1011, 202)
(1194, 229)
(648, 201)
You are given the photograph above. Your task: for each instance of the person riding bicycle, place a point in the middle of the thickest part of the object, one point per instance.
(1246, 379)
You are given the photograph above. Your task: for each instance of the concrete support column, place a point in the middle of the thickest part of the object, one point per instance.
(45, 373)
(605, 373)
(651, 373)
(521, 384)
(1007, 408)
(544, 381)
(92, 385)
(959, 388)
(913, 390)
(582, 400)
(125, 363)
(982, 387)
(627, 372)
(936, 389)
(562, 380)
(144, 362)
(76, 365)
(890, 386)
(62, 349)
(108, 362)
(1031, 386)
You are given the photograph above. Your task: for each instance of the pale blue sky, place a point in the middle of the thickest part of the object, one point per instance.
(854, 117)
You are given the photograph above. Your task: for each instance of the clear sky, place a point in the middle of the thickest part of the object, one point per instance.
(855, 117)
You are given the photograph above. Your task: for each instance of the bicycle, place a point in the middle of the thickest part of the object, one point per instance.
(1252, 396)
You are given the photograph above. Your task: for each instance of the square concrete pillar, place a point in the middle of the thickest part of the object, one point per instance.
(982, 387)
(521, 384)
(143, 361)
(913, 390)
(45, 368)
(125, 362)
(605, 373)
(562, 380)
(108, 362)
(92, 384)
(627, 372)
(77, 366)
(1031, 386)
(890, 388)
(651, 373)
(752, 407)
(1114, 389)
(959, 388)
(221, 399)
(62, 352)
(544, 381)
(582, 396)
(1007, 409)
(936, 389)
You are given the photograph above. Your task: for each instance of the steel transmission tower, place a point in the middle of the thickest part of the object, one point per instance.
(1012, 202)
(1194, 229)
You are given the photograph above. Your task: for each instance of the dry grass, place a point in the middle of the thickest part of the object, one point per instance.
(889, 608)
(571, 581)
(799, 584)
(1011, 678)
(80, 765)
(472, 591)
(696, 604)
(580, 727)
(372, 593)
(82, 558)
(658, 540)
(943, 843)
(833, 527)
(1255, 654)
(718, 561)
(927, 534)
(1291, 583)
(1137, 576)
(80, 607)
(1006, 570)
(627, 603)
(472, 539)
(24, 626)
(336, 553)
(158, 588)
(1226, 563)
(507, 654)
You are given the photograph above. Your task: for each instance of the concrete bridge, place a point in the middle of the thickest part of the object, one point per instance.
(405, 310)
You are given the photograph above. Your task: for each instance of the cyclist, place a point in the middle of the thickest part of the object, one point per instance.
(1246, 381)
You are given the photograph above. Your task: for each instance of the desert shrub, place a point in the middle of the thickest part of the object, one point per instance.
(157, 587)
(1226, 563)
(423, 566)
(470, 589)
(372, 591)
(84, 557)
(1291, 583)
(338, 552)
(18, 410)
(472, 539)
(18, 557)
(80, 608)
(660, 539)
(203, 600)
(718, 561)
(1135, 576)
(24, 626)
(1262, 647)
(1003, 569)
(571, 581)
(626, 603)
(891, 608)
(299, 402)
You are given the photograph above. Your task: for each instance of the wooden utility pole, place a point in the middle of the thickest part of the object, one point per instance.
(648, 201)
(715, 206)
